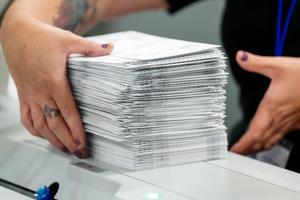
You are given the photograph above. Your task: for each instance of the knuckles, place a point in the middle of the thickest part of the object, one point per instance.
(67, 111)
(256, 137)
(40, 125)
(268, 146)
(54, 124)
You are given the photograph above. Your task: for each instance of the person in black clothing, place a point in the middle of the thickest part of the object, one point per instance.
(252, 26)
(270, 97)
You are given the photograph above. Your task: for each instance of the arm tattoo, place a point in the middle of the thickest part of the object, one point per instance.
(72, 13)
(51, 112)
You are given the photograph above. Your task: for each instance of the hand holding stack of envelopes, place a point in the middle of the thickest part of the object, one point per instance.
(153, 102)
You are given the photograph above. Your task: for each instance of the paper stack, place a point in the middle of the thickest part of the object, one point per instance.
(153, 102)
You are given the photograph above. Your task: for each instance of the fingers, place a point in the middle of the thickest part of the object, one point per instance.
(267, 129)
(259, 126)
(49, 124)
(26, 118)
(245, 144)
(265, 139)
(274, 140)
(41, 125)
(258, 64)
(89, 48)
(67, 106)
(57, 125)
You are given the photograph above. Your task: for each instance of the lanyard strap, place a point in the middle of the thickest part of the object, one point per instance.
(281, 34)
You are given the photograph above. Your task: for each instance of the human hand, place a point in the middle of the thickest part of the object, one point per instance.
(279, 110)
(37, 55)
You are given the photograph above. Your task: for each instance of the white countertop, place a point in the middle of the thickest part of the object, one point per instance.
(31, 163)
(11, 195)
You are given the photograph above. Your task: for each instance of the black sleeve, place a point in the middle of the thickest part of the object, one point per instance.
(176, 5)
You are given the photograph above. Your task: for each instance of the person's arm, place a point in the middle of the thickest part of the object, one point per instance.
(103, 10)
(72, 15)
(37, 38)
(79, 15)
(36, 46)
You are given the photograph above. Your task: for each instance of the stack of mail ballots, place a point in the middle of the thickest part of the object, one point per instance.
(153, 102)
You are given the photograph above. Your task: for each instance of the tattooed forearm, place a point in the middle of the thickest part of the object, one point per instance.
(75, 14)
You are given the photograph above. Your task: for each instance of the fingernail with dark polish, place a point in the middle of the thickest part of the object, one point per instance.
(105, 46)
(245, 57)
(77, 142)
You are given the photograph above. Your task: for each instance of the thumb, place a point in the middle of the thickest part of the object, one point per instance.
(89, 48)
(263, 65)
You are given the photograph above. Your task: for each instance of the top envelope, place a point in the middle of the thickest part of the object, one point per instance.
(149, 47)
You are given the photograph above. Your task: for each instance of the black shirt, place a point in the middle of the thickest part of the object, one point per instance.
(250, 25)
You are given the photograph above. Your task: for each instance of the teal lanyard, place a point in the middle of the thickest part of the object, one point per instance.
(282, 34)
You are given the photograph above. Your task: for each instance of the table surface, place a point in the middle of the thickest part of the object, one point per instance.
(11, 195)
(9, 112)
(31, 163)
